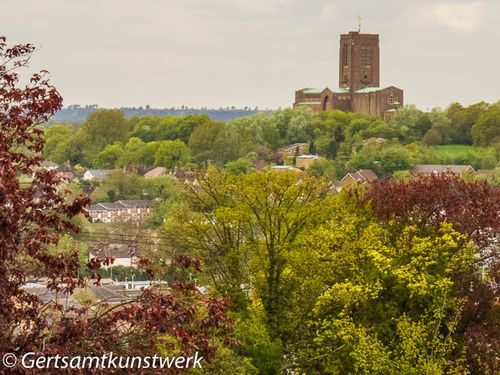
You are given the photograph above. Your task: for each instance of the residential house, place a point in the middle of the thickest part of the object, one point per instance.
(361, 176)
(124, 254)
(183, 175)
(305, 161)
(428, 169)
(48, 165)
(96, 174)
(50, 298)
(156, 172)
(285, 168)
(295, 149)
(65, 172)
(123, 210)
(113, 293)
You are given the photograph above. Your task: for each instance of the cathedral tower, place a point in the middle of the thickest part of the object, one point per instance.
(359, 61)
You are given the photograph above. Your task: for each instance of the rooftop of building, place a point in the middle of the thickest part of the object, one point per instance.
(338, 90)
(122, 204)
(99, 173)
(361, 175)
(441, 168)
(367, 90)
(156, 172)
(116, 250)
(310, 156)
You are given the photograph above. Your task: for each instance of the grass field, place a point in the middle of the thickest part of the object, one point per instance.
(478, 157)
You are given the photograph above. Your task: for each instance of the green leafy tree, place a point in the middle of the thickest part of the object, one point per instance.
(486, 131)
(384, 158)
(405, 120)
(170, 154)
(324, 168)
(120, 185)
(240, 166)
(394, 159)
(441, 123)
(148, 152)
(109, 157)
(54, 136)
(385, 302)
(147, 128)
(101, 128)
(433, 137)
(422, 125)
(172, 128)
(243, 227)
(202, 140)
(462, 120)
(135, 153)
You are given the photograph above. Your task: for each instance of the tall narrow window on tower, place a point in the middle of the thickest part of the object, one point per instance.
(365, 55)
(344, 55)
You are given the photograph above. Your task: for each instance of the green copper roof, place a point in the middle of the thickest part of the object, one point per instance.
(368, 89)
(313, 91)
(307, 103)
(339, 90)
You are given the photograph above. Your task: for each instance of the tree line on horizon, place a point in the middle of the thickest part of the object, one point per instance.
(107, 139)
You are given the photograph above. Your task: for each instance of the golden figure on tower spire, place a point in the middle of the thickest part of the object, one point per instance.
(359, 24)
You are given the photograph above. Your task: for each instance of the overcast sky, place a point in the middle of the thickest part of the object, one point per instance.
(253, 52)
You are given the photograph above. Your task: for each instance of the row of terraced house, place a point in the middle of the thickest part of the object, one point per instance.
(123, 210)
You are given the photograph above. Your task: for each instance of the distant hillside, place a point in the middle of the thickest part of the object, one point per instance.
(76, 113)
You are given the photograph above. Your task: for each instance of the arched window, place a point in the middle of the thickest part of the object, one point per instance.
(326, 104)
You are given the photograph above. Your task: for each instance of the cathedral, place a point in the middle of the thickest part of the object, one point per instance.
(359, 81)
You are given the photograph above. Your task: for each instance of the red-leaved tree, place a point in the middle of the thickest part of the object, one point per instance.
(33, 214)
(473, 208)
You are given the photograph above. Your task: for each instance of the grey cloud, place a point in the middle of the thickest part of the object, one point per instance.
(253, 52)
